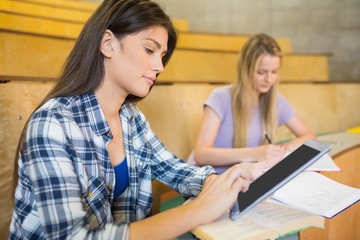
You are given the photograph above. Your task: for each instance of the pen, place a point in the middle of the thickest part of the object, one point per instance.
(267, 138)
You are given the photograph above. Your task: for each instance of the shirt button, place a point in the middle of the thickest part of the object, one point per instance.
(90, 194)
(140, 163)
(109, 186)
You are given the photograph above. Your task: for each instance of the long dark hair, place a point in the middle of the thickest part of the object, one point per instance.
(83, 70)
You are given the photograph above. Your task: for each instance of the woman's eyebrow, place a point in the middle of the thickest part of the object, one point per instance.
(158, 45)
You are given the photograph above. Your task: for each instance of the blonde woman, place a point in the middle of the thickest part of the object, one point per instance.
(240, 120)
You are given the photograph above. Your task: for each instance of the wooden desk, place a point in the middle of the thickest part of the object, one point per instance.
(346, 154)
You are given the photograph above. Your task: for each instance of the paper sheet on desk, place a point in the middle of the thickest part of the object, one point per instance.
(325, 163)
(315, 193)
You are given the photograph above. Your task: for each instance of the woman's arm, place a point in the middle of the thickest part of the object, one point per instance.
(219, 193)
(300, 130)
(205, 153)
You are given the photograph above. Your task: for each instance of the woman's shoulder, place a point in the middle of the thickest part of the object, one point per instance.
(226, 89)
(284, 106)
(58, 104)
(220, 100)
(221, 92)
(53, 117)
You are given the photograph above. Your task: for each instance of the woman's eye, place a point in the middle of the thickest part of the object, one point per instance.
(148, 50)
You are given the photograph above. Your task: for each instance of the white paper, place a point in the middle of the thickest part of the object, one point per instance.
(325, 163)
(315, 193)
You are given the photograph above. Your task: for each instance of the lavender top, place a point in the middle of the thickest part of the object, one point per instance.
(220, 102)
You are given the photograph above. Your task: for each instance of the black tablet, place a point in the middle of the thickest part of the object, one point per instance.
(281, 173)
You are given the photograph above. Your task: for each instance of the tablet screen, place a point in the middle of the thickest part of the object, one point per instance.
(281, 173)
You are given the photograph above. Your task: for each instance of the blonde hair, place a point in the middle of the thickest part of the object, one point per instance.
(244, 93)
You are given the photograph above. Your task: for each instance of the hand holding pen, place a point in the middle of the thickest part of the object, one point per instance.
(267, 138)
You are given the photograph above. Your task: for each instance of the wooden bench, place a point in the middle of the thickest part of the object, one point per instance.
(215, 67)
(61, 4)
(44, 11)
(32, 38)
(221, 42)
(62, 11)
(187, 40)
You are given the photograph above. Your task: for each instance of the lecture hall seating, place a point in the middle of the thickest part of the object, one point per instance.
(37, 35)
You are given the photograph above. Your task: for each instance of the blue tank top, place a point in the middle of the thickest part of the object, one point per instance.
(121, 178)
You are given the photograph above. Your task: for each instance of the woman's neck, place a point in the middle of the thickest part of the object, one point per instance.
(110, 100)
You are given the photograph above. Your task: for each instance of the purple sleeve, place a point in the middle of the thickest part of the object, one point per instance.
(219, 101)
(285, 110)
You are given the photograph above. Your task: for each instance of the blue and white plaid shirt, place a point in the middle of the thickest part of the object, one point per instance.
(66, 180)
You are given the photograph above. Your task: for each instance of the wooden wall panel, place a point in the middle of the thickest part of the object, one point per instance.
(6, 166)
(17, 101)
(164, 111)
(346, 224)
(314, 103)
(324, 107)
(348, 105)
(175, 112)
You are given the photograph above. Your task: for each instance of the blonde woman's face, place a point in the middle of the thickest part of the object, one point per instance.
(266, 73)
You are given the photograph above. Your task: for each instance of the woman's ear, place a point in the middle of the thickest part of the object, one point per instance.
(106, 44)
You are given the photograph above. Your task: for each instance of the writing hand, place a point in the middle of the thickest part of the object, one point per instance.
(269, 152)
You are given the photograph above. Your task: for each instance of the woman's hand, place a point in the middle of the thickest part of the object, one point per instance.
(259, 168)
(269, 152)
(220, 192)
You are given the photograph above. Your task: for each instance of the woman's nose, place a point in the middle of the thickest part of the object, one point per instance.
(159, 66)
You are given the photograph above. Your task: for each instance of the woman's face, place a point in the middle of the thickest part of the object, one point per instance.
(137, 60)
(266, 73)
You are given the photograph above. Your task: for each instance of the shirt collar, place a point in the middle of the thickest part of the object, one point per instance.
(95, 114)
